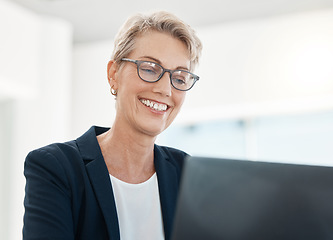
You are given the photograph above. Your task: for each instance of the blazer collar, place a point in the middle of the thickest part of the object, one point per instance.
(88, 144)
(99, 178)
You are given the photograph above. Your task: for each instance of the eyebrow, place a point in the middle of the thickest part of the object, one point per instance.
(159, 62)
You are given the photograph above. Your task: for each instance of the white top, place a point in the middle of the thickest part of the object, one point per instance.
(138, 209)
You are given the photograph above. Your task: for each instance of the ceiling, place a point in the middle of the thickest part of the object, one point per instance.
(100, 19)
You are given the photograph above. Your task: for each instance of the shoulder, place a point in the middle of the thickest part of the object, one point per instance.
(56, 148)
(56, 151)
(60, 159)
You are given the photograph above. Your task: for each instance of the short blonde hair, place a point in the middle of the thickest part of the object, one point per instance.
(159, 21)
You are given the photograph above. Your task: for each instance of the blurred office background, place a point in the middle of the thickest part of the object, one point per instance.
(265, 93)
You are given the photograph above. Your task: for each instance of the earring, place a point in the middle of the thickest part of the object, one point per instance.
(113, 91)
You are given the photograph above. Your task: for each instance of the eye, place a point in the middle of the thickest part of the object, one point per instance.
(181, 78)
(179, 81)
(150, 68)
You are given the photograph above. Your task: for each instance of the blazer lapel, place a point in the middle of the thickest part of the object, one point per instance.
(100, 179)
(168, 188)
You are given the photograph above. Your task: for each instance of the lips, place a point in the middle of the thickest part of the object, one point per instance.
(154, 105)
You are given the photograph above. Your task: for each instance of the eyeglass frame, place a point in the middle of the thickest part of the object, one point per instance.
(139, 62)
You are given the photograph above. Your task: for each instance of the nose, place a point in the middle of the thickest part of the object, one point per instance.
(163, 86)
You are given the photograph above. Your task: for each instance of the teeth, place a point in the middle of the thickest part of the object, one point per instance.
(153, 105)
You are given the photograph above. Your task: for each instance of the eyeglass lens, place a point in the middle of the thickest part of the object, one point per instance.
(152, 72)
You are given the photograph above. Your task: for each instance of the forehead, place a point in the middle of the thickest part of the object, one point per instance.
(170, 51)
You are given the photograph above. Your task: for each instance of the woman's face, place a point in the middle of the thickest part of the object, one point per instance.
(135, 94)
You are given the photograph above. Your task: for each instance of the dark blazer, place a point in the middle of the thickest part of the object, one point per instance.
(69, 195)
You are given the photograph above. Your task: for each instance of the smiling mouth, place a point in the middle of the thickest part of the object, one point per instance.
(154, 105)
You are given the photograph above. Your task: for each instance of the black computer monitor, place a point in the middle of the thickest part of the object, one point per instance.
(227, 199)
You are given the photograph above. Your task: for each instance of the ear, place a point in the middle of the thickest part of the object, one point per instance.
(112, 74)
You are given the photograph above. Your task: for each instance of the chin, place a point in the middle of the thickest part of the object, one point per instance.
(153, 131)
(152, 126)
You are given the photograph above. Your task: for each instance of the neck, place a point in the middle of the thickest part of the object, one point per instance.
(128, 155)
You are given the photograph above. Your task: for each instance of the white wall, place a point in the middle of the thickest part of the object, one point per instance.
(92, 101)
(35, 87)
(20, 41)
(268, 66)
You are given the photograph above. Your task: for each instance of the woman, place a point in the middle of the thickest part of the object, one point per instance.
(116, 183)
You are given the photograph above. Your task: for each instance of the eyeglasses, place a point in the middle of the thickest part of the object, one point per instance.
(152, 72)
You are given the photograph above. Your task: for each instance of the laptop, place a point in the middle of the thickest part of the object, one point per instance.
(226, 199)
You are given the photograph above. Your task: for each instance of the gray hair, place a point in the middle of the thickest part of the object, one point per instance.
(159, 21)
